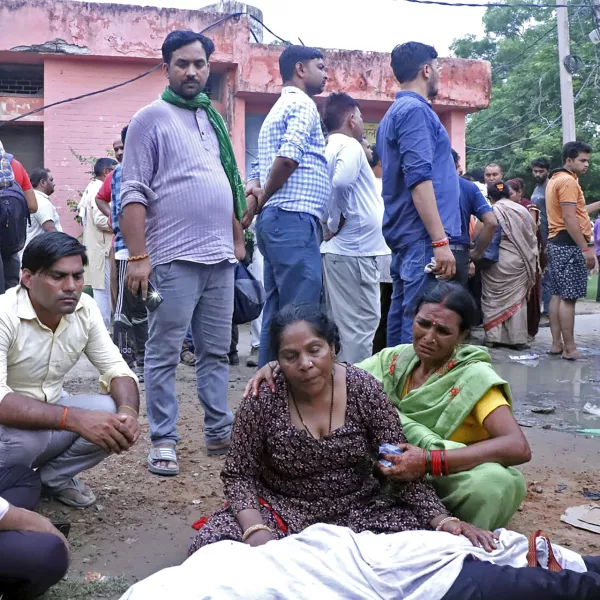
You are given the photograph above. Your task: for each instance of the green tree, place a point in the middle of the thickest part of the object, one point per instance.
(521, 45)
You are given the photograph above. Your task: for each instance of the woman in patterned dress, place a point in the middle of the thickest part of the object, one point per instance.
(305, 453)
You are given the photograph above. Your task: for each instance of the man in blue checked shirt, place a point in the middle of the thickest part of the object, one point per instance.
(289, 186)
(420, 185)
(131, 317)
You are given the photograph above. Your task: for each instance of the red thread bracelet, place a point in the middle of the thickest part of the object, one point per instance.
(63, 422)
(440, 243)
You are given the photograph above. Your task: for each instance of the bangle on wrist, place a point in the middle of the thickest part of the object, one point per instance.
(444, 521)
(139, 257)
(127, 407)
(253, 529)
(443, 242)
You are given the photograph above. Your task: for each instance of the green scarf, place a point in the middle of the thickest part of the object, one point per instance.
(220, 129)
(446, 399)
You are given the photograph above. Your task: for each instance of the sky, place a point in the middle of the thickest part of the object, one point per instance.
(355, 24)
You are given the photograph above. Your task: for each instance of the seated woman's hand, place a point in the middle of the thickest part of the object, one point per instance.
(408, 466)
(267, 373)
(258, 538)
(478, 537)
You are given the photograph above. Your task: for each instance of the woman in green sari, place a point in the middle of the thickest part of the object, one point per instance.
(449, 397)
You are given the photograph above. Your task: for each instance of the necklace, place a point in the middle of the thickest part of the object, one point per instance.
(330, 409)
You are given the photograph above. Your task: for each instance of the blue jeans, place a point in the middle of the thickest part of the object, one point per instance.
(203, 296)
(408, 276)
(289, 243)
(546, 291)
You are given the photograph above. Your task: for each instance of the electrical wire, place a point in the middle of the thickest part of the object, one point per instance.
(491, 4)
(137, 77)
(516, 59)
(539, 134)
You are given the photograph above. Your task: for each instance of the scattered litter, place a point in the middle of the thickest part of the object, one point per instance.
(196, 502)
(543, 410)
(589, 431)
(547, 426)
(529, 360)
(560, 488)
(591, 494)
(591, 409)
(99, 507)
(92, 576)
(583, 517)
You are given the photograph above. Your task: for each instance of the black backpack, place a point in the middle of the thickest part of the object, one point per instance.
(14, 217)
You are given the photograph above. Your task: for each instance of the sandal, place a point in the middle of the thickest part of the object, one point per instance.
(187, 358)
(164, 453)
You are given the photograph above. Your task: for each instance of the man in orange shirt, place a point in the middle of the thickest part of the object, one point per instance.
(570, 254)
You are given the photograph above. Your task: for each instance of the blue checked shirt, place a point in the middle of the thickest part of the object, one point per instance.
(292, 130)
(116, 210)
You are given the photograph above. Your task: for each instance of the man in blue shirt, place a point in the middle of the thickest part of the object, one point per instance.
(472, 203)
(289, 185)
(420, 185)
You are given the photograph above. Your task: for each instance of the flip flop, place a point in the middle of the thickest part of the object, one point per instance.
(559, 353)
(165, 453)
(571, 358)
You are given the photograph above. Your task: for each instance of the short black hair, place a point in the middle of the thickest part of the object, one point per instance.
(48, 248)
(541, 163)
(337, 106)
(375, 160)
(38, 175)
(477, 175)
(292, 55)
(494, 164)
(498, 190)
(574, 149)
(409, 58)
(455, 156)
(102, 164)
(319, 321)
(454, 297)
(124, 133)
(178, 39)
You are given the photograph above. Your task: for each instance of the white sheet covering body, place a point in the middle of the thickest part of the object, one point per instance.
(325, 561)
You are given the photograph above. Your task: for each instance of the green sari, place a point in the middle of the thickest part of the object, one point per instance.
(488, 495)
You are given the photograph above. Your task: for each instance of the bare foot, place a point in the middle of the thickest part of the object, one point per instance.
(572, 355)
(556, 349)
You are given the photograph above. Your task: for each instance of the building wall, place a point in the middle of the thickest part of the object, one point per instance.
(88, 127)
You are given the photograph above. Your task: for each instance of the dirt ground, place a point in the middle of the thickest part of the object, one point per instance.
(142, 523)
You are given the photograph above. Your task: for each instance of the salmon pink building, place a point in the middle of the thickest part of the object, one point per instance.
(55, 50)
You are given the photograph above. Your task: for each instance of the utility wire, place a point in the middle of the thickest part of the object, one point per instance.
(491, 4)
(537, 135)
(516, 58)
(123, 83)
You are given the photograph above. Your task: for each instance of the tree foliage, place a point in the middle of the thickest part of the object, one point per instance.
(521, 44)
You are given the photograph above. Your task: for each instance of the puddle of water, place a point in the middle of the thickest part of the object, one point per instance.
(568, 386)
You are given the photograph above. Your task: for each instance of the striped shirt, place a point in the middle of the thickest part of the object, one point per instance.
(172, 165)
(293, 130)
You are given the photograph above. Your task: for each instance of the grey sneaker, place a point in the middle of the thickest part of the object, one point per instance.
(218, 448)
(139, 371)
(80, 496)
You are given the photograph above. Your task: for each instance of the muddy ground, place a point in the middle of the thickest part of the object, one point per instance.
(142, 523)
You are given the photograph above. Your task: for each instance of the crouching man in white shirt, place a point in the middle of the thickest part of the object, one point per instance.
(354, 240)
(46, 325)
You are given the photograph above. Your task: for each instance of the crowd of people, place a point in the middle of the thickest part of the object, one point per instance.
(376, 263)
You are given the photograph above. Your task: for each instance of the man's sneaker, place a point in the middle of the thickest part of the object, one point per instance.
(234, 359)
(217, 448)
(80, 496)
(252, 360)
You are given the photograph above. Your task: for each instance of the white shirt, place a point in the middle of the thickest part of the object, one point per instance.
(4, 506)
(45, 212)
(34, 360)
(354, 195)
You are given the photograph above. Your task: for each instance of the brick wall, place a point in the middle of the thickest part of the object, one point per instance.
(88, 127)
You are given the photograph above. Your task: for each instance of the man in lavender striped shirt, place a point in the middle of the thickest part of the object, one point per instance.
(179, 226)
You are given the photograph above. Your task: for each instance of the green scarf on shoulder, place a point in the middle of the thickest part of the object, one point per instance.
(434, 411)
(227, 156)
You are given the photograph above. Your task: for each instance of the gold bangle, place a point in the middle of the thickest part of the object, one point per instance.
(139, 257)
(128, 408)
(444, 521)
(253, 529)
